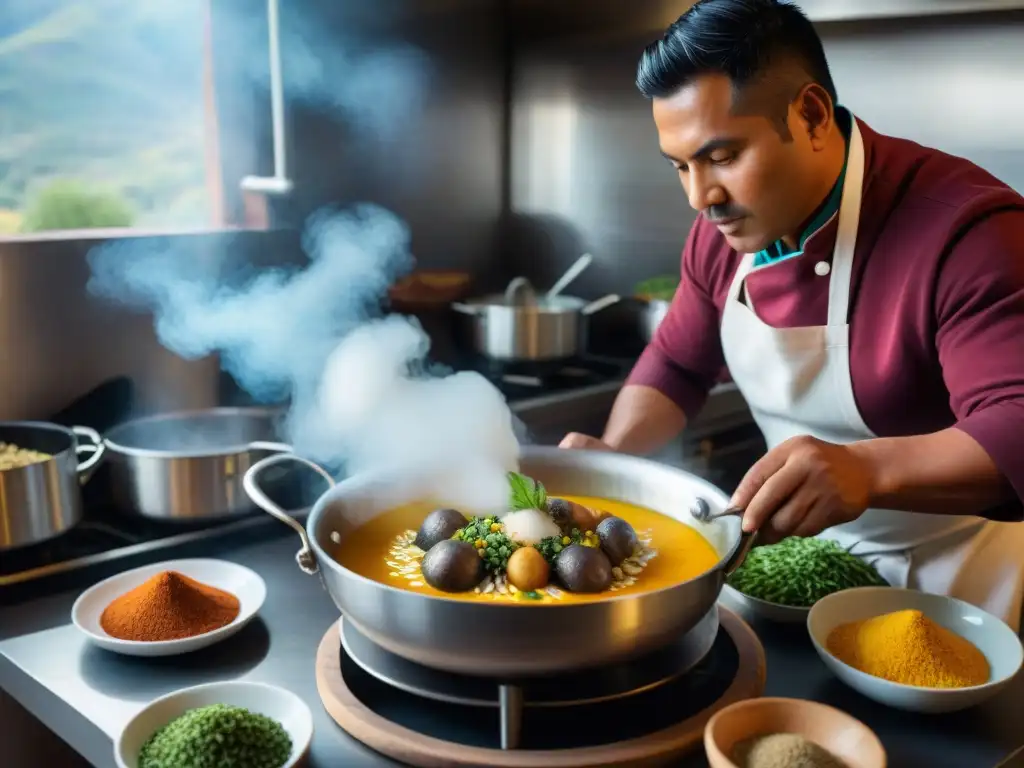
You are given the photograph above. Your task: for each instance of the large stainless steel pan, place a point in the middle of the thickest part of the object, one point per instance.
(189, 465)
(492, 639)
(651, 315)
(41, 501)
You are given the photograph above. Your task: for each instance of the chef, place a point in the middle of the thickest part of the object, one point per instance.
(866, 295)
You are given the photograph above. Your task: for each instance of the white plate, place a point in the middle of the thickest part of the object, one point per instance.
(755, 608)
(992, 637)
(277, 703)
(240, 581)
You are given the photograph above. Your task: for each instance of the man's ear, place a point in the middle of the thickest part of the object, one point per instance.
(817, 113)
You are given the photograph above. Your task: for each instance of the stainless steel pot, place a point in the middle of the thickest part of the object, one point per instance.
(538, 329)
(489, 638)
(653, 312)
(43, 500)
(189, 465)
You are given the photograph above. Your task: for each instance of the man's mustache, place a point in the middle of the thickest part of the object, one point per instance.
(719, 213)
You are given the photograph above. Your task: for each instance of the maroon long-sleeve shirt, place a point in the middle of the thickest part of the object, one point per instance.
(936, 305)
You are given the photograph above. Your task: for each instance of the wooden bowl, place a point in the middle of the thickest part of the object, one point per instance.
(844, 736)
(427, 289)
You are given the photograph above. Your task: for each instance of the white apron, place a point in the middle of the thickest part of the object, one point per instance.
(797, 382)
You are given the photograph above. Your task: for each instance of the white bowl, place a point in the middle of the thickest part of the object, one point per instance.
(277, 703)
(240, 581)
(755, 608)
(1000, 645)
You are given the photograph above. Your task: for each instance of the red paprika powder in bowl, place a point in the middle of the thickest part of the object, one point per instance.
(169, 608)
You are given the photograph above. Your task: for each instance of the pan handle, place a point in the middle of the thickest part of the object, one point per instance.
(93, 449)
(466, 309)
(747, 541)
(603, 303)
(305, 557)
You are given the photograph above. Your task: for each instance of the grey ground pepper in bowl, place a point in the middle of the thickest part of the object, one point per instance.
(783, 750)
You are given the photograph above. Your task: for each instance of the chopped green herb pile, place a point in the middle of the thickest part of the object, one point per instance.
(526, 493)
(800, 571)
(663, 287)
(486, 534)
(218, 736)
(552, 546)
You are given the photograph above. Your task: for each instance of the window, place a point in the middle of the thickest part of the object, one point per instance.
(108, 117)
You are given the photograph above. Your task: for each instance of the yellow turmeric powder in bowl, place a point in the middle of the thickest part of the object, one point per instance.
(907, 647)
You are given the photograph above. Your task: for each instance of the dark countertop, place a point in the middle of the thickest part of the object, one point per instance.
(85, 695)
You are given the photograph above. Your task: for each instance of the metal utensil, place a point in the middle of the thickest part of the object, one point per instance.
(502, 640)
(520, 292)
(189, 465)
(702, 513)
(43, 500)
(571, 274)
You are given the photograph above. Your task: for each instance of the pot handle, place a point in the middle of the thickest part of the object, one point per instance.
(94, 450)
(269, 445)
(603, 303)
(305, 557)
(747, 541)
(466, 309)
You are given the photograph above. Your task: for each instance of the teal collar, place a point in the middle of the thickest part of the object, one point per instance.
(778, 250)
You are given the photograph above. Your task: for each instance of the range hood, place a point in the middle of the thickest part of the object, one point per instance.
(851, 10)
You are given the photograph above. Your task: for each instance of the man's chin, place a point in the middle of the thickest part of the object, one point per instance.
(746, 243)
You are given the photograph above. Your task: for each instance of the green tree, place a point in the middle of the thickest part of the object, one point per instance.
(69, 204)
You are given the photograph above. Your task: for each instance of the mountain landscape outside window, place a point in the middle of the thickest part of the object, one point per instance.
(108, 118)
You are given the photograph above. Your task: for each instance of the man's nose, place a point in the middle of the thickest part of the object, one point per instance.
(703, 191)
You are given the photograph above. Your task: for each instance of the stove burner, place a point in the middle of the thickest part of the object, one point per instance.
(521, 380)
(587, 687)
(608, 706)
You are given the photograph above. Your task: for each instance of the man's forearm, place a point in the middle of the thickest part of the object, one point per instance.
(642, 421)
(945, 472)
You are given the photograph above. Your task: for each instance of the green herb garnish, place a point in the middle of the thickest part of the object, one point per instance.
(218, 735)
(659, 288)
(552, 546)
(526, 493)
(800, 571)
(488, 536)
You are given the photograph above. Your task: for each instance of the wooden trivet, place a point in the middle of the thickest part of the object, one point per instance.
(409, 746)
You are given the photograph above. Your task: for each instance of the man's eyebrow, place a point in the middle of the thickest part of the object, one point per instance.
(723, 142)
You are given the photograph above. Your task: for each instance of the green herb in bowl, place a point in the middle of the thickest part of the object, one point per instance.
(218, 735)
(797, 572)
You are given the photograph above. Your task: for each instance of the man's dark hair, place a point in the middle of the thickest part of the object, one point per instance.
(736, 38)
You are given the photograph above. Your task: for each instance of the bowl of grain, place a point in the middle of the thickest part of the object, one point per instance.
(912, 650)
(781, 733)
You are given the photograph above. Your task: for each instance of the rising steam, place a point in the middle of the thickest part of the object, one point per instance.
(355, 380)
(359, 394)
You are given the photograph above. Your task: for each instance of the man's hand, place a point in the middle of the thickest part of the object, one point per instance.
(584, 442)
(802, 487)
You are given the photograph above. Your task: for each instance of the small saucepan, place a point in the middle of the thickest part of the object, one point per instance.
(189, 465)
(520, 326)
(42, 467)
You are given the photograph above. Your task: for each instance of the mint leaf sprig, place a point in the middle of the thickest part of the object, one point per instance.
(526, 493)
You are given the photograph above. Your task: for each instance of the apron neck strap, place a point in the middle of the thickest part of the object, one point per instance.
(846, 234)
